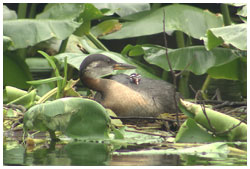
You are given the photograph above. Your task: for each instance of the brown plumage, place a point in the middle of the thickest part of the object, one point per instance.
(147, 98)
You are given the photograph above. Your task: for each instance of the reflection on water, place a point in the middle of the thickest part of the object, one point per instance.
(82, 154)
(145, 160)
(96, 154)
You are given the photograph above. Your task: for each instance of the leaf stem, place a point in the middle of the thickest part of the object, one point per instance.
(180, 39)
(171, 69)
(183, 83)
(47, 95)
(65, 73)
(96, 41)
(32, 11)
(204, 87)
(22, 10)
(52, 63)
(63, 45)
(226, 15)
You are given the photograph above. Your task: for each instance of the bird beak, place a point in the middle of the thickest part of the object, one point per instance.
(123, 66)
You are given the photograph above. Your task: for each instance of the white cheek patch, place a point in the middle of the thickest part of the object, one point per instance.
(93, 65)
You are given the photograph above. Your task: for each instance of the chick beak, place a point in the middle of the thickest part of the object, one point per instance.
(123, 66)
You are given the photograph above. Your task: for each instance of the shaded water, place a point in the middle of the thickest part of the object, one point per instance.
(95, 154)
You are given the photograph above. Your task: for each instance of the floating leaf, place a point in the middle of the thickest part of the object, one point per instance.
(77, 117)
(213, 150)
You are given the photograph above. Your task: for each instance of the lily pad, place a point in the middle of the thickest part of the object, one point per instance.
(77, 117)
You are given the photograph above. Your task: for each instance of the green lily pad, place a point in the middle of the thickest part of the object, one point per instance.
(76, 117)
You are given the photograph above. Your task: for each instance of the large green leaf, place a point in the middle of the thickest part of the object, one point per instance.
(38, 64)
(15, 71)
(190, 20)
(124, 9)
(243, 11)
(234, 70)
(106, 27)
(28, 32)
(77, 117)
(90, 13)
(235, 35)
(191, 132)
(61, 11)
(8, 14)
(76, 59)
(220, 124)
(197, 57)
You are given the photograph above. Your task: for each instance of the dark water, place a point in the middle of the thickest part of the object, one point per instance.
(81, 154)
(78, 153)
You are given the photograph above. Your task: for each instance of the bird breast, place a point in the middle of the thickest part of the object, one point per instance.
(127, 102)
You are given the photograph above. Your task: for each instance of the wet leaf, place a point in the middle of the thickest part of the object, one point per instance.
(213, 150)
(77, 117)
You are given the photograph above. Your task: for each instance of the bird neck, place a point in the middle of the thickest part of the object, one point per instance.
(97, 84)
